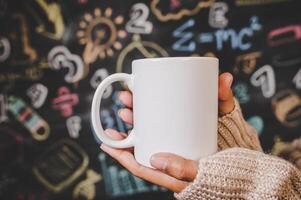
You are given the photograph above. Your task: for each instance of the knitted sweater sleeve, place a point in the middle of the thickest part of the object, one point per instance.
(238, 173)
(242, 173)
(234, 131)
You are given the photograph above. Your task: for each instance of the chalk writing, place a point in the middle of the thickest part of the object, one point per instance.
(54, 15)
(3, 109)
(284, 35)
(5, 49)
(27, 49)
(65, 101)
(286, 105)
(237, 39)
(297, 79)
(138, 22)
(257, 122)
(35, 124)
(60, 57)
(264, 77)
(100, 34)
(184, 43)
(96, 79)
(155, 7)
(38, 94)
(141, 49)
(217, 18)
(74, 126)
(246, 63)
(119, 182)
(60, 165)
(257, 2)
(86, 188)
(241, 92)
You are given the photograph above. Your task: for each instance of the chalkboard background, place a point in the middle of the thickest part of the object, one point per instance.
(53, 54)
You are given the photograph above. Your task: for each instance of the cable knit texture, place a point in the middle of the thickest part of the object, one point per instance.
(239, 173)
(234, 131)
(242, 173)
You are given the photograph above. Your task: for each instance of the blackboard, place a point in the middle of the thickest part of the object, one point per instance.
(54, 53)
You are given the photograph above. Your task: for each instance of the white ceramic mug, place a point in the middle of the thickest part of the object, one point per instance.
(175, 106)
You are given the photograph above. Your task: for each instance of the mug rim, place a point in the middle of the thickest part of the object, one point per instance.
(181, 58)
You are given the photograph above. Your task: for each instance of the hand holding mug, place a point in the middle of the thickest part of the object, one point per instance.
(171, 171)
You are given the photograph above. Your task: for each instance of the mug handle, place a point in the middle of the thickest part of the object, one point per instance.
(95, 114)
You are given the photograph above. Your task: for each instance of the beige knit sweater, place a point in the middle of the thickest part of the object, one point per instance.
(242, 172)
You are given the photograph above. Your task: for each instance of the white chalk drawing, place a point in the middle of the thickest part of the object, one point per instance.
(38, 94)
(60, 57)
(138, 22)
(74, 126)
(3, 108)
(217, 18)
(96, 79)
(265, 78)
(5, 49)
(297, 80)
(184, 42)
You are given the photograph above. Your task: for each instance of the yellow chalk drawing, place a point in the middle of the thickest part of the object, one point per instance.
(33, 73)
(26, 46)
(86, 188)
(61, 165)
(207, 54)
(101, 34)
(257, 2)
(279, 145)
(286, 105)
(146, 48)
(54, 15)
(247, 62)
(183, 12)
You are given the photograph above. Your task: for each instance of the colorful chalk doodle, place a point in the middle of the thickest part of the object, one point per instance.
(54, 54)
(100, 34)
(175, 9)
(54, 16)
(139, 49)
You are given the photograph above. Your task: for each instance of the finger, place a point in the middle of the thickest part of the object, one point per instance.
(126, 98)
(225, 94)
(175, 166)
(128, 161)
(298, 164)
(126, 115)
(295, 155)
(117, 136)
(297, 144)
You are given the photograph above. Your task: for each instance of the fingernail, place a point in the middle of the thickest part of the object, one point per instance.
(229, 80)
(102, 147)
(109, 132)
(118, 94)
(158, 162)
(119, 112)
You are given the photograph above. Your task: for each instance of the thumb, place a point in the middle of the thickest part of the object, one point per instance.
(175, 166)
(225, 95)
